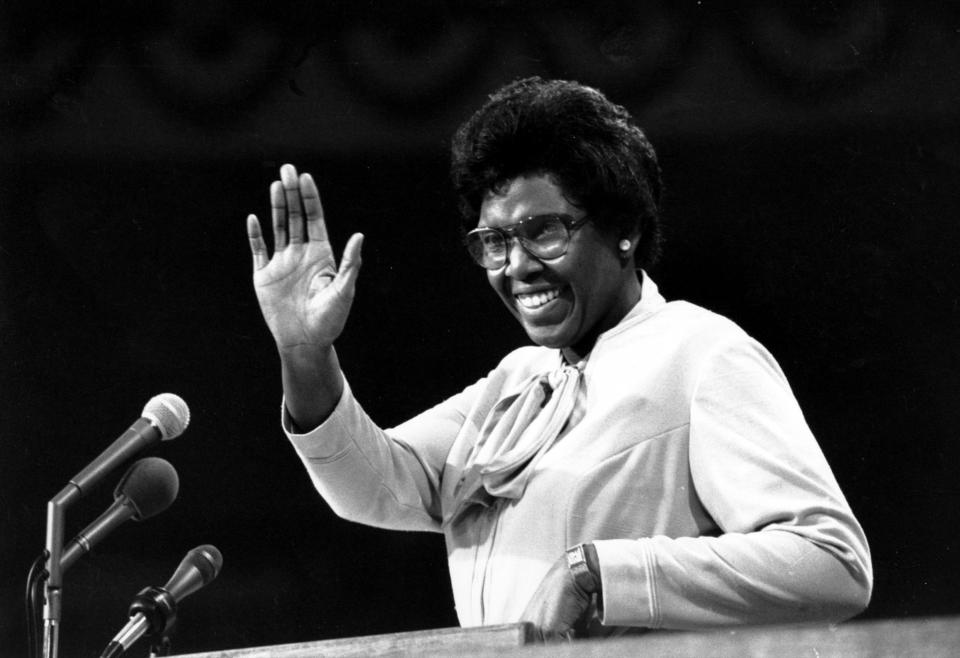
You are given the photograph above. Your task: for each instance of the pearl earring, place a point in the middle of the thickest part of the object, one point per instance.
(624, 245)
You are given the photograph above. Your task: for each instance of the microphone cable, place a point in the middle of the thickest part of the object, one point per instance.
(33, 604)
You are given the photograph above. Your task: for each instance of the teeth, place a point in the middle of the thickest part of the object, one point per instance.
(537, 299)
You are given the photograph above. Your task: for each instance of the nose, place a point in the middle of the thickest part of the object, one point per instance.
(520, 264)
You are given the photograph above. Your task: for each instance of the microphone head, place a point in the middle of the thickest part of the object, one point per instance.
(207, 559)
(150, 486)
(198, 568)
(169, 413)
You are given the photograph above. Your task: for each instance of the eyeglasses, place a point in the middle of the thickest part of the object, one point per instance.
(541, 236)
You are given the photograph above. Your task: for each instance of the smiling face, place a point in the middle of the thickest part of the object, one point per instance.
(562, 302)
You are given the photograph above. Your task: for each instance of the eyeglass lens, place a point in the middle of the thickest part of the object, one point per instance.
(543, 236)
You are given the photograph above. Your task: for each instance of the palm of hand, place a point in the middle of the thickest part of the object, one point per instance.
(305, 300)
(299, 299)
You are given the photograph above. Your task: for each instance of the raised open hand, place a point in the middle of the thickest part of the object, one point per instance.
(304, 297)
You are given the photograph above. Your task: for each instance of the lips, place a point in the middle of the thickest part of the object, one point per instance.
(535, 300)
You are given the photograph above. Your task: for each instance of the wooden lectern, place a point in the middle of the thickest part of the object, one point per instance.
(932, 636)
(440, 642)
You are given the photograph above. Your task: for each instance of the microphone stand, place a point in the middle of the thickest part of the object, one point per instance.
(161, 647)
(56, 511)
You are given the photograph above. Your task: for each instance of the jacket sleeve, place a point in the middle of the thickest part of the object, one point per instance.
(385, 478)
(789, 548)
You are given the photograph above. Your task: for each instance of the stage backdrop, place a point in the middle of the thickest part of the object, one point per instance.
(811, 159)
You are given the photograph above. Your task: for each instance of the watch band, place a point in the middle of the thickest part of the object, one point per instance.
(577, 563)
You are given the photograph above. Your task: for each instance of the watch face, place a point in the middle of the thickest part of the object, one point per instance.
(575, 555)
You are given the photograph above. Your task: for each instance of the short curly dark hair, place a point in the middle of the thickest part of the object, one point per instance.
(590, 146)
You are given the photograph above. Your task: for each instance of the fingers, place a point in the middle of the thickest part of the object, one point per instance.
(278, 212)
(257, 246)
(316, 226)
(346, 279)
(558, 605)
(553, 637)
(291, 193)
(291, 198)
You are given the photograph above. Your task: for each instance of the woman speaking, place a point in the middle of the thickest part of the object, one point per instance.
(644, 464)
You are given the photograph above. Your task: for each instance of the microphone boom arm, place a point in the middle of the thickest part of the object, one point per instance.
(56, 510)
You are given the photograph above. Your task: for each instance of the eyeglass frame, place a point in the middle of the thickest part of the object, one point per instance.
(510, 232)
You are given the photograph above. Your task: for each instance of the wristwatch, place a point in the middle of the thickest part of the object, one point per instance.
(577, 563)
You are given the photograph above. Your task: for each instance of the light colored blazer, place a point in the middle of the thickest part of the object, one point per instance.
(690, 467)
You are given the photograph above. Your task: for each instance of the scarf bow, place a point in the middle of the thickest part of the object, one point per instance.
(515, 435)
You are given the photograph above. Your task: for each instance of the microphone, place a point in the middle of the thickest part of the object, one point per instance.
(154, 609)
(148, 487)
(164, 417)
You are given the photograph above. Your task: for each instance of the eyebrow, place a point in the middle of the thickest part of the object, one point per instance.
(526, 218)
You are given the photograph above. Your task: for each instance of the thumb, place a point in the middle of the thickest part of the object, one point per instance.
(346, 279)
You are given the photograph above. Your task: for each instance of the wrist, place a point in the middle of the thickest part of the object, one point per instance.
(584, 565)
(593, 563)
(312, 385)
(303, 354)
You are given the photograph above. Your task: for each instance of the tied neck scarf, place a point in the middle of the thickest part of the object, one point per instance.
(515, 435)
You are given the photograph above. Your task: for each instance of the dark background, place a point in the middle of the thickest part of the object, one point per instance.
(811, 152)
